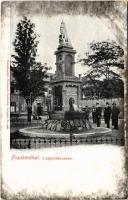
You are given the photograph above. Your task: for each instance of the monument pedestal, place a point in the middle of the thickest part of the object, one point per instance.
(69, 89)
(65, 84)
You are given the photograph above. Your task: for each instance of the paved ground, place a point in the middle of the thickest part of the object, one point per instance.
(22, 123)
(114, 131)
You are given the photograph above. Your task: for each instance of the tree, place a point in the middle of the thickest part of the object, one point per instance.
(103, 60)
(91, 87)
(28, 73)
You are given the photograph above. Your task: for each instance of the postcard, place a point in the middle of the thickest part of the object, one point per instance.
(64, 112)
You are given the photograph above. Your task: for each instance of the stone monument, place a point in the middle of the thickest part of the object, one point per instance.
(65, 84)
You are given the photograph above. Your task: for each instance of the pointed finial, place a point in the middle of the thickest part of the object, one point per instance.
(63, 37)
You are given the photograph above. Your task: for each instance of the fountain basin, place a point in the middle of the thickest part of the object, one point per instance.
(42, 133)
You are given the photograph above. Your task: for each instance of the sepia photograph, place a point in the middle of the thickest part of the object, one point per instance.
(66, 66)
(66, 82)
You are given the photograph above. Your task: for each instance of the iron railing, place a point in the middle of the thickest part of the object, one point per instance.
(30, 143)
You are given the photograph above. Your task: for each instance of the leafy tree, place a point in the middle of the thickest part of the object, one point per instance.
(103, 60)
(91, 87)
(28, 73)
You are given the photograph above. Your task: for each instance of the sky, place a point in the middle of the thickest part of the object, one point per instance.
(81, 29)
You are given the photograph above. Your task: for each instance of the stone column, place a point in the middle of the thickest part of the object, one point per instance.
(63, 65)
(63, 98)
(73, 68)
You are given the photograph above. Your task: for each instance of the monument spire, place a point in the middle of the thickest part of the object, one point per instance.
(63, 37)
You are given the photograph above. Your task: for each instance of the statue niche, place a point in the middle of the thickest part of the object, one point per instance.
(58, 98)
(68, 65)
(59, 66)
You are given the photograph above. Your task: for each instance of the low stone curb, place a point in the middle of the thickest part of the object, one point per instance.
(52, 134)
